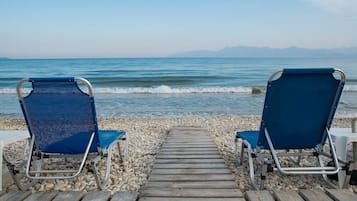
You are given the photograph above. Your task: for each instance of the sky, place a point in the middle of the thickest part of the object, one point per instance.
(159, 28)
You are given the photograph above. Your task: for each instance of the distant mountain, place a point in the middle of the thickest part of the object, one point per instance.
(245, 51)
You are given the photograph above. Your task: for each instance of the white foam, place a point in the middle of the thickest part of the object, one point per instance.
(350, 88)
(13, 90)
(7, 91)
(164, 89)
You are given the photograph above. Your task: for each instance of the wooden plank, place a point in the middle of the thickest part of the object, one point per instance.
(15, 196)
(191, 171)
(187, 140)
(189, 132)
(200, 139)
(125, 196)
(187, 128)
(193, 184)
(190, 166)
(314, 195)
(258, 196)
(178, 153)
(167, 146)
(287, 195)
(204, 177)
(42, 196)
(185, 145)
(188, 135)
(188, 199)
(192, 143)
(189, 161)
(97, 196)
(69, 196)
(188, 156)
(203, 193)
(341, 194)
(188, 149)
(188, 143)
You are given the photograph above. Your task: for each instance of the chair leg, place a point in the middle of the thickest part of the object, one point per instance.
(123, 153)
(39, 164)
(238, 159)
(251, 167)
(296, 161)
(101, 183)
(242, 153)
(324, 176)
(235, 142)
(121, 157)
(126, 146)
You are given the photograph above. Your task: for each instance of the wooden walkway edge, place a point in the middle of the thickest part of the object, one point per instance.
(68, 196)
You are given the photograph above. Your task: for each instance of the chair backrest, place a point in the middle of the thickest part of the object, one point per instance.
(299, 106)
(59, 114)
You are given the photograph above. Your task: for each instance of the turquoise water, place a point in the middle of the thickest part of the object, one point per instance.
(170, 87)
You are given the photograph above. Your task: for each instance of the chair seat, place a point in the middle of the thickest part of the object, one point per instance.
(65, 146)
(107, 137)
(250, 136)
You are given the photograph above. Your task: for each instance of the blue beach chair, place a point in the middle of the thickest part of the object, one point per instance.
(61, 118)
(298, 111)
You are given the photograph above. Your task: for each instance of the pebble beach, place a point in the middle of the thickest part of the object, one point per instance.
(145, 138)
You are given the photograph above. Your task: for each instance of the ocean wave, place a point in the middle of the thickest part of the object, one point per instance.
(164, 89)
(350, 88)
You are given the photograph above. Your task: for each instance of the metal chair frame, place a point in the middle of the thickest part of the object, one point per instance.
(271, 160)
(88, 159)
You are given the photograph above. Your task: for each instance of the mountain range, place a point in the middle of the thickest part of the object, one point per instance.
(247, 51)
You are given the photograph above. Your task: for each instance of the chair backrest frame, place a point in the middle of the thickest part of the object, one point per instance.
(77, 124)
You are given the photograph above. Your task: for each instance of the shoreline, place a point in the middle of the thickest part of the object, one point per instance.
(145, 138)
(9, 123)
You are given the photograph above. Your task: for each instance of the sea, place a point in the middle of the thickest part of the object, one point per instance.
(171, 87)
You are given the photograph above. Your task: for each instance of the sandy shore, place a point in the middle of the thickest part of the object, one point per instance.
(145, 138)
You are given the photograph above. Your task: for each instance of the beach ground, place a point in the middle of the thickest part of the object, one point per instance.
(145, 137)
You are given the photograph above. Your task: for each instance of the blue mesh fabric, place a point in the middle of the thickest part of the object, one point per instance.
(250, 136)
(297, 108)
(61, 116)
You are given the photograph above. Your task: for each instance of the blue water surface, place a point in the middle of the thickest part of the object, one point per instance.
(170, 87)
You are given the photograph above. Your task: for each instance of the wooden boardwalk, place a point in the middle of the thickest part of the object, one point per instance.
(189, 167)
